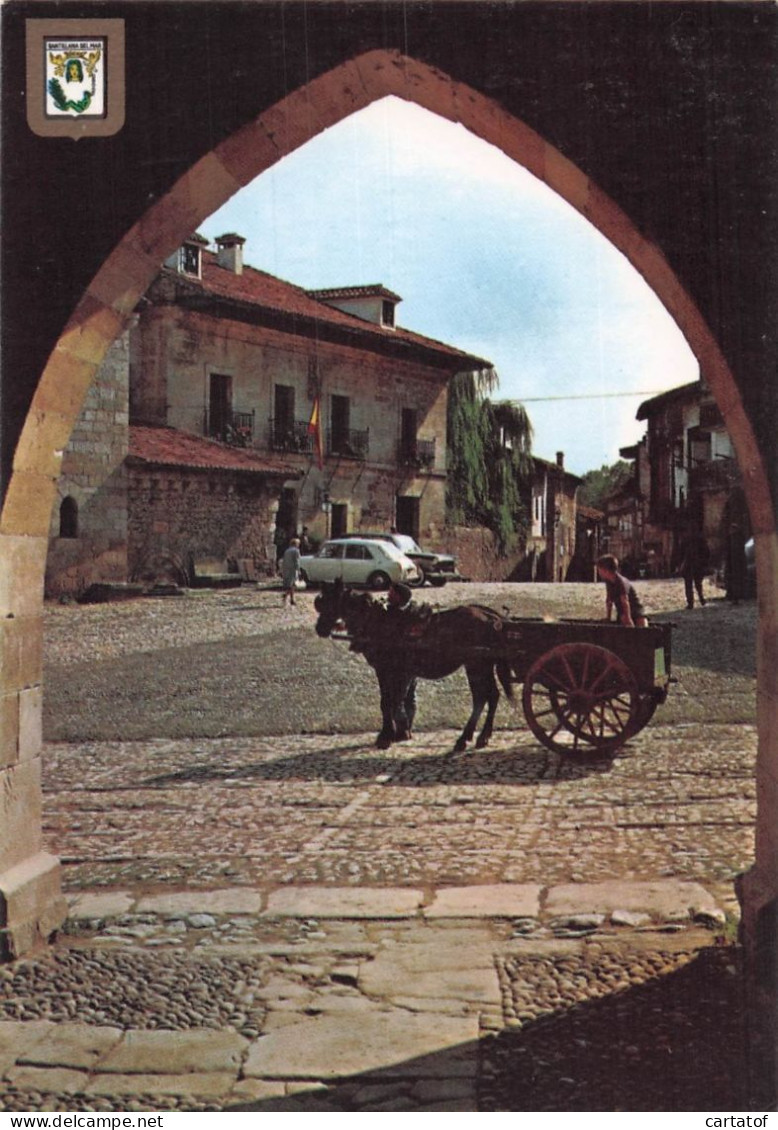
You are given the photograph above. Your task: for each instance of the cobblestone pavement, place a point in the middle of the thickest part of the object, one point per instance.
(268, 922)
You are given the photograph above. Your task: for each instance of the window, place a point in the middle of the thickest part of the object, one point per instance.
(408, 429)
(330, 551)
(387, 313)
(358, 553)
(219, 405)
(68, 518)
(283, 418)
(340, 410)
(190, 260)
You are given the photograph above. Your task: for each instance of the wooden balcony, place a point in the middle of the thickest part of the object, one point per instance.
(714, 474)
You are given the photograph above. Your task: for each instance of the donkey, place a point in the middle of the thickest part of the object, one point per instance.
(405, 645)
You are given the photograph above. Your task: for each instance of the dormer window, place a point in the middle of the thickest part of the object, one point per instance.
(374, 303)
(190, 260)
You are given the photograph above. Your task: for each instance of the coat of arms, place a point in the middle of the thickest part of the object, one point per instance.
(74, 75)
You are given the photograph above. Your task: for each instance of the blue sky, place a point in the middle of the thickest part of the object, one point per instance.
(485, 257)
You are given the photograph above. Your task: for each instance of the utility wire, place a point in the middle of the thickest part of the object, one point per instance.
(585, 396)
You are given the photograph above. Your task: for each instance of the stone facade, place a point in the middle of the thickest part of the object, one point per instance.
(89, 518)
(245, 357)
(238, 358)
(552, 536)
(180, 518)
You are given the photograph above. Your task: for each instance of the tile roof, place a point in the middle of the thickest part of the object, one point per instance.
(258, 288)
(369, 291)
(589, 512)
(162, 446)
(656, 403)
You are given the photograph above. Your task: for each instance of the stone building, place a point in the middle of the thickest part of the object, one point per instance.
(237, 405)
(551, 543)
(686, 475)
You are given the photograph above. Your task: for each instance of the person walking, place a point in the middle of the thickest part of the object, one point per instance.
(290, 570)
(695, 556)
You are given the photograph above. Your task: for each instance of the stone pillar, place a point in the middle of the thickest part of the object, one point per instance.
(31, 902)
(758, 888)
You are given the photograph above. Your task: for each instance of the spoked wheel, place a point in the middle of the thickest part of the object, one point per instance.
(647, 704)
(580, 699)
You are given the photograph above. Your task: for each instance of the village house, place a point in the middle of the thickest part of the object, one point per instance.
(551, 541)
(685, 475)
(239, 408)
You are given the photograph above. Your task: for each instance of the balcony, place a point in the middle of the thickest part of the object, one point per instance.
(291, 436)
(348, 442)
(714, 474)
(234, 428)
(416, 453)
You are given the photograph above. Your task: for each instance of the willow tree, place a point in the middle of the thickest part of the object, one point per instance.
(489, 459)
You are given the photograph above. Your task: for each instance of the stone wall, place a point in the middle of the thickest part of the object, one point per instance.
(178, 516)
(94, 481)
(478, 557)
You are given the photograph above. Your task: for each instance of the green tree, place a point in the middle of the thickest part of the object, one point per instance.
(489, 459)
(597, 486)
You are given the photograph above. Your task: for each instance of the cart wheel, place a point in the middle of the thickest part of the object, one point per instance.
(579, 695)
(647, 704)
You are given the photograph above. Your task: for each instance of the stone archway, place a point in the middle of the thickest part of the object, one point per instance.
(30, 898)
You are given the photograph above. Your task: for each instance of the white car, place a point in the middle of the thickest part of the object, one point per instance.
(358, 561)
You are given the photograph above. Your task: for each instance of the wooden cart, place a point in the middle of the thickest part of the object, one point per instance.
(588, 685)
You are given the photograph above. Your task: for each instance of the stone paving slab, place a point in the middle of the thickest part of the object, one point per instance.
(400, 1044)
(666, 899)
(210, 1085)
(500, 900)
(101, 904)
(173, 1053)
(457, 965)
(344, 902)
(54, 1080)
(16, 1038)
(228, 900)
(72, 1045)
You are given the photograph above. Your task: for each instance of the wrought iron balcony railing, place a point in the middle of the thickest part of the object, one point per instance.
(348, 442)
(416, 452)
(236, 428)
(291, 436)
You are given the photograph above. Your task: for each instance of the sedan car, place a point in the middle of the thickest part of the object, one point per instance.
(437, 568)
(358, 561)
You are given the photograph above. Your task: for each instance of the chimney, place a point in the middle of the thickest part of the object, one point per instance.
(560, 460)
(229, 249)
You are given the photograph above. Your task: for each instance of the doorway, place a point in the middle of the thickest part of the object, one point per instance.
(407, 515)
(339, 520)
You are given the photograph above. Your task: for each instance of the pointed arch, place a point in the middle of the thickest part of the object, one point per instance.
(106, 307)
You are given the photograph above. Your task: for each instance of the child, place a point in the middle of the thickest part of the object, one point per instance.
(620, 594)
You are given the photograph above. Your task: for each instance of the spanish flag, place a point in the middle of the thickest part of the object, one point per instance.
(314, 429)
